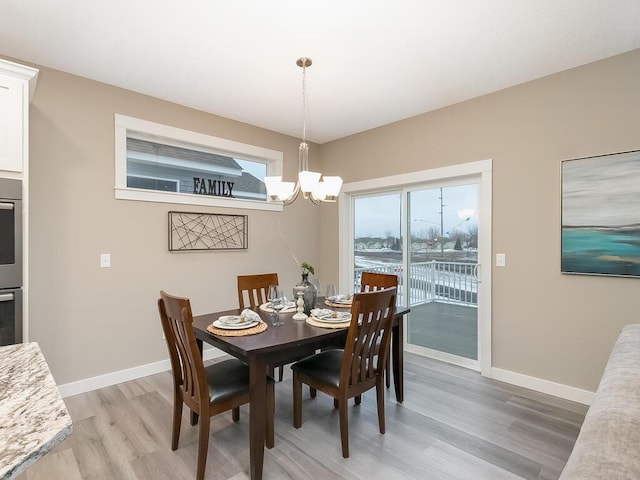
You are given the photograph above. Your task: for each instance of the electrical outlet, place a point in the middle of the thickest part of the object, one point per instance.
(501, 259)
(105, 260)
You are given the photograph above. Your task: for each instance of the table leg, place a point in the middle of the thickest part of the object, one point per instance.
(397, 357)
(257, 415)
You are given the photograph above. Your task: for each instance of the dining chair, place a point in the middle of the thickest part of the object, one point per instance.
(371, 281)
(349, 372)
(209, 390)
(256, 288)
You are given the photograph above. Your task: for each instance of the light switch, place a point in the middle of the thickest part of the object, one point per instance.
(501, 259)
(105, 260)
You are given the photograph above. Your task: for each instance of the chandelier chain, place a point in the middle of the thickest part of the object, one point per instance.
(304, 100)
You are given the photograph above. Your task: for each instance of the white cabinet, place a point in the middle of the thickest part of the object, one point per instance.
(14, 115)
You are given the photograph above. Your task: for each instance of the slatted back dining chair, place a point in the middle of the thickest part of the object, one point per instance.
(371, 281)
(256, 288)
(209, 390)
(349, 372)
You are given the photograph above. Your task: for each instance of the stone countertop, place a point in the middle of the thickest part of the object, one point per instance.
(33, 416)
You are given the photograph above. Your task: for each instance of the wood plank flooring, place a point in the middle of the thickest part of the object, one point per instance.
(453, 425)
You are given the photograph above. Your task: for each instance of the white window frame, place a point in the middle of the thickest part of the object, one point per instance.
(156, 132)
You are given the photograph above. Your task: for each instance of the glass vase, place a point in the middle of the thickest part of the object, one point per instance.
(310, 293)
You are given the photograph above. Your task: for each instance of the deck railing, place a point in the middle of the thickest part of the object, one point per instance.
(432, 281)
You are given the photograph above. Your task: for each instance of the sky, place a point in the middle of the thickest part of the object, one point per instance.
(601, 191)
(379, 214)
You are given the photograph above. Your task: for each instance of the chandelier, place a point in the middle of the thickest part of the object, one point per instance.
(309, 183)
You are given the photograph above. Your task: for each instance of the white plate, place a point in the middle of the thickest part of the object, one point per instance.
(237, 326)
(233, 320)
(287, 304)
(342, 317)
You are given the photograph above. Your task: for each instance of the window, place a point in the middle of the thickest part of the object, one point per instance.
(159, 163)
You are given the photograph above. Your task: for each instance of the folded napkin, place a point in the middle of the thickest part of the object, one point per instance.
(321, 312)
(250, 315)
(344, 298)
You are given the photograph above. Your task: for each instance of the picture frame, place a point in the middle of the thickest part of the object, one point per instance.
(191, 231)
(600, 219)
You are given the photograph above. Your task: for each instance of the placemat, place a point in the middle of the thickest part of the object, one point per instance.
(316, 323)
(259, 328)
(337, 305)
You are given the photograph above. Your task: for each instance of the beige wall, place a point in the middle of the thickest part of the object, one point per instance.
(547, 325)
(89, 320)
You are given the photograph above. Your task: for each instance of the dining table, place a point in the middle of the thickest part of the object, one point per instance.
(278, 345)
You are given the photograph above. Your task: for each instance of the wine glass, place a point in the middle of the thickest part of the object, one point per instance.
(275, 297)
(331, 292)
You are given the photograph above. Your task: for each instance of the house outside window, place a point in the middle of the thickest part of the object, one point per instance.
(159, 163)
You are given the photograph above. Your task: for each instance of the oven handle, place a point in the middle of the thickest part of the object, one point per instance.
(6, 206)
(7, 297)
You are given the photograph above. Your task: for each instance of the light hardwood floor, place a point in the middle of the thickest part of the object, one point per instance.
(453, 424)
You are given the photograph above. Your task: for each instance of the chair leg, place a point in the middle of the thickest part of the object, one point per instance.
(387, 367)
(193, 418)
(271, 409)
(297, 401)
(280, 373)
(357, 399)
(177, 421)
(203, 446)
(380, 399)
(336, 403)
(235, 414)
(312, 392)
(344, 426)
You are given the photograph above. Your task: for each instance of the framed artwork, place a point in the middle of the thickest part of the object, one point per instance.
(190, 231)
(601, 215)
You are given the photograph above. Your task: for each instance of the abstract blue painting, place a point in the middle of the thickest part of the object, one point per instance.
(601, 215)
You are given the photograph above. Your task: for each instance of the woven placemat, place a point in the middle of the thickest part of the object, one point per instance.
(316, 323)
(259, 328)
(337, 305)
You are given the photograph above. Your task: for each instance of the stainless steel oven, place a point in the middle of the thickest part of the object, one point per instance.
(10, 233)
(10, 261)
(10, 316)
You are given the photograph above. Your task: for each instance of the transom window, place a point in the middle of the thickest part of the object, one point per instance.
(159, 163)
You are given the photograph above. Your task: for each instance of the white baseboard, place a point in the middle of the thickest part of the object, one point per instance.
(544, 386)
(108, 379)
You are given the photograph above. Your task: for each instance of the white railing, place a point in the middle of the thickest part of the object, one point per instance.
(433, 281)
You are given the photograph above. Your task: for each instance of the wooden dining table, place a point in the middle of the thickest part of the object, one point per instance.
(280, 344)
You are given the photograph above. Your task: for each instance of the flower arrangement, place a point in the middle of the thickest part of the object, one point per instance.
(306, 268)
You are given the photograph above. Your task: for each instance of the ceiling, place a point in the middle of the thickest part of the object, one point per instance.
(374, 61)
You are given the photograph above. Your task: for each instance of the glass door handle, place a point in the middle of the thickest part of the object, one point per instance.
(476, 270)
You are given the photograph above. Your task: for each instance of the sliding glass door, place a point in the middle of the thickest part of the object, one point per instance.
(430, 234)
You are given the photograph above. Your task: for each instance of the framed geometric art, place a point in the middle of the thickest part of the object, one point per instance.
(601, 215)
(190, 231)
